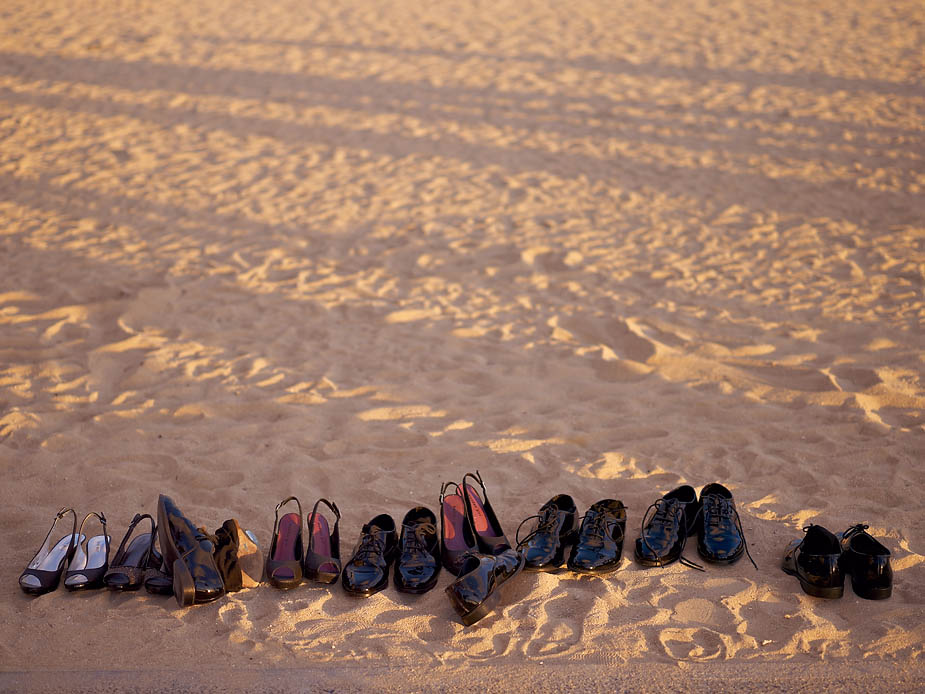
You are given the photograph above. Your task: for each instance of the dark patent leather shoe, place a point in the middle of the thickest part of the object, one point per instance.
(489, 536)
(814, 560)
(475, 593)
(367, 572)
(418, 567)
(720, 538)
(867, 561)
(600, 539)
(456, 536)
(188, 554)
(556, 527)
(664, 534)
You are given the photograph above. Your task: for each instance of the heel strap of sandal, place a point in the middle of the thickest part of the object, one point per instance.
(128, 533)
(279, 506)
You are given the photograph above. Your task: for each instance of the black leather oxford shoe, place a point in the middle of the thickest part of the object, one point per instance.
(867, 562)
(665, 532)
(188, 555)
(367, 572)
(600, 539)
(418, 567)
(720, 538)
(814, 560)
(556, 527)
(475, 593)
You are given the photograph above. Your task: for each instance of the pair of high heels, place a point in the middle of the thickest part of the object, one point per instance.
(289, 560)
(475, 548)
(414, 553)
(83, 561)
(596, 539)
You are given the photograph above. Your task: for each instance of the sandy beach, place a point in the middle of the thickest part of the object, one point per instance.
(355, 249)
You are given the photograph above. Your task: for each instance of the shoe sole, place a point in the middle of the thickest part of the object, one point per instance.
(488, 604)
(830, 593)
(872, 593)
(653, 562)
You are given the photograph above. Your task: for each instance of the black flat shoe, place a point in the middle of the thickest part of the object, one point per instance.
(720, 538)
(814, 560)
(664, 534)
(91, 559)
(600, 539)
(284, 561)
(43, 573)
(188, 553)
(418, 567)
(367, 572)
(456, 538)
(555, 528)
(475, 593)
(130, 564)
(489, 536)
(867, 561)
(322, 558)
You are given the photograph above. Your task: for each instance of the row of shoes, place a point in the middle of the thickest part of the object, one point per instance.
(596, 538)
(471, 545)
(168, 556)
(822, 559)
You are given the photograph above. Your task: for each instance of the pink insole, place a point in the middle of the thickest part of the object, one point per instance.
(454, 515)
(478, 513)
(321, 540)
(289, 527)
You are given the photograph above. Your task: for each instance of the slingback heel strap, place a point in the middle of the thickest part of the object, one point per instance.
(293, 565)
(314, 561)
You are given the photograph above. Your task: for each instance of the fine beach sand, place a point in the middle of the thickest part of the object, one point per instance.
(353, 249)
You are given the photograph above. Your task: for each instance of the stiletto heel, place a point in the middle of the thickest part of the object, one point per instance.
(284, 561)
(130, 563)
(91, 559)
(322, 558)
(43, 573)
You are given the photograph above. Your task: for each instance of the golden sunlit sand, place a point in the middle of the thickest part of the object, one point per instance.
(353, 249)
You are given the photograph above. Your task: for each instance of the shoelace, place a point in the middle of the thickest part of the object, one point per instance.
(370, 545)
(854, 530)
(720, 509)
(662, 508)
(415, 535)
(595, 528)
(546, 521)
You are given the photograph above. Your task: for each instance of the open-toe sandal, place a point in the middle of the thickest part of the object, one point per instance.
(43, 573)
(91, 559)
(488, 533)
(322, 557)
(130, 564)
(284, 561)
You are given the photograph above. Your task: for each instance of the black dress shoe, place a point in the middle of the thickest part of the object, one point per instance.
(418, 567)
(475, 593)
(485, 526)
(456, 536)
(720, 538)
(556, 527)
(600, 539)
(814, 560)
(867, 562)
(367, 572)
(665, 533)
(188, 555)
